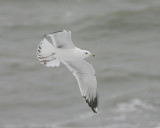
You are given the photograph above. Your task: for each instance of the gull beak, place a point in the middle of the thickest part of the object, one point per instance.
(93, 55)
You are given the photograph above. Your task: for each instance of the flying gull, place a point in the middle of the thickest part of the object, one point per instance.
(62, 49)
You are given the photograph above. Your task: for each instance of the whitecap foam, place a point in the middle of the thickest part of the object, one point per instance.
(133, 105)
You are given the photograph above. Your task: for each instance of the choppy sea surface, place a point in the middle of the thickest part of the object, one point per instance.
(124, 35)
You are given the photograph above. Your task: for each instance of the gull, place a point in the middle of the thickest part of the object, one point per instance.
(60, 48)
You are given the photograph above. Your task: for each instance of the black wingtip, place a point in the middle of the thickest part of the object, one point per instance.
(94, 110)
(56, 32)
(52, 33)
(93, 104)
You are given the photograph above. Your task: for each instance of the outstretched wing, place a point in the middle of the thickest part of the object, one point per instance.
(61, 39)
(85, 75)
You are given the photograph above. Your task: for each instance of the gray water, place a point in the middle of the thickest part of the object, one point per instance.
(124, 35)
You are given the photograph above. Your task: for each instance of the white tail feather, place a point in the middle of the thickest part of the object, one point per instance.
(53, 63)
(45, 48)
(46, 54)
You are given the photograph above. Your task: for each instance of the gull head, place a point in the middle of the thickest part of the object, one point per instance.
(87, 54)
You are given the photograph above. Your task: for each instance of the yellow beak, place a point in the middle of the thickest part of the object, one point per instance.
(93, 55)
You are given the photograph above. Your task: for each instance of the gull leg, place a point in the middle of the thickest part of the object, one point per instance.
(43, 57)
(48, 60)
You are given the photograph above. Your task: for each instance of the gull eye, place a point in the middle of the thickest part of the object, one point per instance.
(86, 53)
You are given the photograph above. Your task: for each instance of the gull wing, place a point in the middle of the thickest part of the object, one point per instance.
(85, 75)
(61, 39)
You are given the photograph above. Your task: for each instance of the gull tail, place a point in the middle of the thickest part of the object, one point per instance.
(46, 54)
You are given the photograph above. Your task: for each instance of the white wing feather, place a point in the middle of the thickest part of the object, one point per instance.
(85, 75)
(62, 39)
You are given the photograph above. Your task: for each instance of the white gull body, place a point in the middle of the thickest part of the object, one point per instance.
(62, 49)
